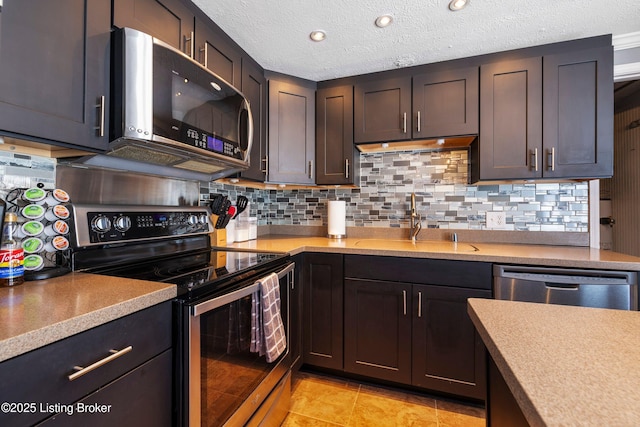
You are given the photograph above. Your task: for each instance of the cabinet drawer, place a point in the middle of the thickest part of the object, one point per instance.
(142, 397)
(42, 375)
(465, 274)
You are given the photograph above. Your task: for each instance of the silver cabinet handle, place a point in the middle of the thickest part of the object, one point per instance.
(100, 106)
(346, 168)
(535, 159)
(418, 127)
(404, 302)
(553, 158)
(266, 164)
(310, 169)
(404, 122)
(419, 304)
(192, 47)
(206, 55)
(114, 355)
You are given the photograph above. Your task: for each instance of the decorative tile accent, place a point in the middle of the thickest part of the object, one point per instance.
(439, 179)
(444, 199)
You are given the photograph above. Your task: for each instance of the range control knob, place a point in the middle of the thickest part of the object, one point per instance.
(193, 220)
(122, 223)
(203, 219)
(101, 224)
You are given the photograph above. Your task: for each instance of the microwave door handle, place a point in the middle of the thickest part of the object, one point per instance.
(250, 128)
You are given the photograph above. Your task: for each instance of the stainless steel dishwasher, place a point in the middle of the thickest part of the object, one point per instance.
(586, 288)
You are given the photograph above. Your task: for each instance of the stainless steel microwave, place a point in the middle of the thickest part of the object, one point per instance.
(169, 110)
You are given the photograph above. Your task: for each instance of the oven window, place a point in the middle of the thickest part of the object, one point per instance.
(230, 372)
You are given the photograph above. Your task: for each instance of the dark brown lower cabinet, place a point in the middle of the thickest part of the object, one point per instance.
(416, 334)
(322, 310)
(377, 333)
(448, 353)
(134, 388)
(502, 407)
(295, 314)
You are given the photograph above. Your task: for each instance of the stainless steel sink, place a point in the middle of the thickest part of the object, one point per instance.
(407, 245)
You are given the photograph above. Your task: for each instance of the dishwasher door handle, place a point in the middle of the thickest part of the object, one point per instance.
(562, 286)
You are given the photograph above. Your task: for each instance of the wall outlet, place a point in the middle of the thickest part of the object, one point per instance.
(496, 220)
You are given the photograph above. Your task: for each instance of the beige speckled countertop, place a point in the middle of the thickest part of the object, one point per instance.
(553, 256)
(565, 365)
(38, 313)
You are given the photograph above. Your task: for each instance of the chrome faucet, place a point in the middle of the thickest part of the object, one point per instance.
(416, 225)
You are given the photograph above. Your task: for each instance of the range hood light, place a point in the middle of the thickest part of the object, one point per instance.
(448, 143)
(216, 86)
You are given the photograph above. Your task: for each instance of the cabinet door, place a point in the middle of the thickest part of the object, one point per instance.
(254, 87)
(578, 114)
(291, 133)
(377, 329)
(334, 136)
(141, 397)
(511, 119)
(54, 70)
(322, 310)
(382, 110)
(445, 103)
(168, 20)
(216, 52)
(448, 353)
(295, 314)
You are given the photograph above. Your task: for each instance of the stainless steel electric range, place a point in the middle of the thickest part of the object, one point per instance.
(218, 380)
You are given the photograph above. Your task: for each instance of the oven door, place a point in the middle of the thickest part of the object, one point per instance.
(226, 383)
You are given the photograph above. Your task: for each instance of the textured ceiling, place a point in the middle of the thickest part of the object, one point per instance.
(276, 32)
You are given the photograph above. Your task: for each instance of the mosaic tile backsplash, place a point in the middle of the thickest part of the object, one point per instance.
(387, 179)
(444, 199)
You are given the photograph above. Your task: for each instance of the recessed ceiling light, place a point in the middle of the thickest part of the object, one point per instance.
(456, 5)
(384, 21)
(318, 35)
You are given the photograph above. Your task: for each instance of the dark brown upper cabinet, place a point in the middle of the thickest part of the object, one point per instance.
(382, 110)
(254, 87)
(292, 146)
(168, 20)
(54, 71)
(445, 103)
(216, 51)
(546, 117)
(577, 119)
(511, 119)
(336, 158)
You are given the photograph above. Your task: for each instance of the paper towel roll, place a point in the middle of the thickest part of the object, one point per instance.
(337, 210)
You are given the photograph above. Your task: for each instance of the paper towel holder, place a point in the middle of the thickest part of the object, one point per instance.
(336, 236)
(336, 231)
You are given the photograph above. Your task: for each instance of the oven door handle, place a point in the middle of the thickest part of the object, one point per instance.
(225, 299)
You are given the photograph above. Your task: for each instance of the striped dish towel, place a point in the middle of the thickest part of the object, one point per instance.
(267, 330)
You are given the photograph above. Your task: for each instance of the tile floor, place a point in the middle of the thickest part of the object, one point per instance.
(318, 400)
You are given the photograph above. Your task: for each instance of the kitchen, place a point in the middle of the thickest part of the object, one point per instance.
(540, 212)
